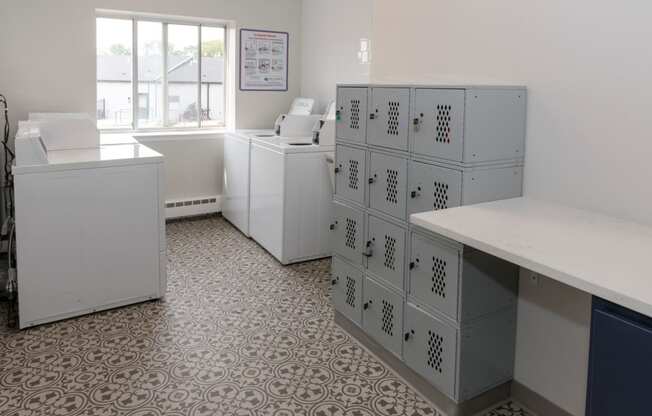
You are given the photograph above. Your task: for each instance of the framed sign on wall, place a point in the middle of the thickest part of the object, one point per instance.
(263, 60)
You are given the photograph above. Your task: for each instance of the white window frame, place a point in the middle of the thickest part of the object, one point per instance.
(228, 104)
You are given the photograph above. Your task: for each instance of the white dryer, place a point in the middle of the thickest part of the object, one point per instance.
(236, 176)
(291, 194)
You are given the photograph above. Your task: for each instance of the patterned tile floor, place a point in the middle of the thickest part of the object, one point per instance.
(237, 335)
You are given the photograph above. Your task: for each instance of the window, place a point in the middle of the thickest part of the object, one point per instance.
(175, 71)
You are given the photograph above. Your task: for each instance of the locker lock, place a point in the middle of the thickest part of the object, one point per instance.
(368, 252)
(338, 169)
(332, 226)
(373, 179)
(335, 281)
(414, 264)
(367, 305)
(408, 335)
(372, 116)
(338, 115)
(417, 121)
(415, 194)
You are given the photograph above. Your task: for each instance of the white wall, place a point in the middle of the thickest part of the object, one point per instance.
(587, 64)
(330, 35)
(193, 167)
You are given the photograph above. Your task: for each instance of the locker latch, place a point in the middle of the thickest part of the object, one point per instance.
(415, 194)
(332, 226)
(368, 252)
(367, 305)
(335, 281)
(409, 334)
(417, 122)
(373, 179)
(338, 115)
(338, 169)
(414, 264)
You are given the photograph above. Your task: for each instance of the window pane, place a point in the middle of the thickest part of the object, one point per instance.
(212, 76)
(114, 68)
(183, 76)
(150, 74)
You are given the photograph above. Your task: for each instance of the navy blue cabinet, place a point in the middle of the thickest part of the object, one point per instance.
(620, 364)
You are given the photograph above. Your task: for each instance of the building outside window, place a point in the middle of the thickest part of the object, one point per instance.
(175, 71)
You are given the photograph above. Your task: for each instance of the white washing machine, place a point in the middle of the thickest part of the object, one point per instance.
(90, 221)
(236, 177)
(291, 194)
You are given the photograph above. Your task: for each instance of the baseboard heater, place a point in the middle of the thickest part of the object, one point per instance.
(192, 206)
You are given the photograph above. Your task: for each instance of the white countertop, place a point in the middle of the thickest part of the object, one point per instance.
(601, 255)
(105, 155)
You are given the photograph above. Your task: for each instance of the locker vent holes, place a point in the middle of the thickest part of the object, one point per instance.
(355, 114)
(392, 186)
(350, 233)
(350, 292)
(443, 122)
(439, 277)
(353, 174)
(388, 318)
(441, 195)
(435, 351)
(390, 253)
(392, 118)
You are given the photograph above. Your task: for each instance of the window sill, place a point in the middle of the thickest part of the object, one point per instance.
(109, 138)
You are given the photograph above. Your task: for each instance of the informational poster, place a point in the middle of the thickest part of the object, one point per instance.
(263, 60)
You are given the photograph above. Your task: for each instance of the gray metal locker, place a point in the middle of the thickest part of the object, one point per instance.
(347, 284)
(388, 184)
(389, 117)
(386, 244)
(445, 310)
(491, 184)
(495, 124)
(348, 232)
(352, 113)
(350, 173)
(457, 281)
(433, 188)
(382, 315)
(438, 124)
(469, 126)
(461, 362)
(430, 348)
(434, 275)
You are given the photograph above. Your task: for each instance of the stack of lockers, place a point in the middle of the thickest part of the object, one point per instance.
(446, 311)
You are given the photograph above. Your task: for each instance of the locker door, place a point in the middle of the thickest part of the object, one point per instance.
(388, 184)
(382, 316)
(347, 290)
(386, 251)
(350, 174)
(352, 114)
(348, 228)
(433, 188)
(438, 125)
(389, 117)
(434, 275)
(430, 349)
